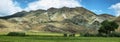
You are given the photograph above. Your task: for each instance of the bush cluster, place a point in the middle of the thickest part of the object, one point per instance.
(69, 35)
(114, 34)
(16, 34)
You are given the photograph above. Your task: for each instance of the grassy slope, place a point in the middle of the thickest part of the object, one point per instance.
(49, 37)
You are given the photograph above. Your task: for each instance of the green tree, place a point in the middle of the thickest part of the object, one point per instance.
(108, 26)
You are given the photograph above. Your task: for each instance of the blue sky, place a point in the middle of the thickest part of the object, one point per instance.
(24, 3)
(102, 6)
(97, 6)
(9, 7)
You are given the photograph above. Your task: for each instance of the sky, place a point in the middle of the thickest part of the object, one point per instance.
(9, 7)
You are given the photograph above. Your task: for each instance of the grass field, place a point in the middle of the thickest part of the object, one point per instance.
(54, 37)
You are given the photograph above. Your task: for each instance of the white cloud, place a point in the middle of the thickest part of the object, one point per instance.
(46, 4)
(97, 11)
(116, 7)
(7, 7)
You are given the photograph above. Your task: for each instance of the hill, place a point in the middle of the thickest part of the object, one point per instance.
(63, 20)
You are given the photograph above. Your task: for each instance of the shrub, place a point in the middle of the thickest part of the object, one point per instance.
(71, 35)
(102, 35)
(16, 34)
(65, 35)
(88, 35)
(114, 34)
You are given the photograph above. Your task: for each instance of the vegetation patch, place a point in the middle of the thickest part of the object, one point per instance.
(16, 34)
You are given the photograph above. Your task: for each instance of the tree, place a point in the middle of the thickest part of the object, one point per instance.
(108, 26)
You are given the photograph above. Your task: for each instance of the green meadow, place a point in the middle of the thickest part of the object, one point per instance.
(54, 37)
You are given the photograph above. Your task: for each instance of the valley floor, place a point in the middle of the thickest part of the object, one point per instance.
(58, 38)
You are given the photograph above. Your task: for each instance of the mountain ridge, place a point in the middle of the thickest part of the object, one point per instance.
(62, 20)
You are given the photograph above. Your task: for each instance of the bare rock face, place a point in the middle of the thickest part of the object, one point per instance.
(63, 20)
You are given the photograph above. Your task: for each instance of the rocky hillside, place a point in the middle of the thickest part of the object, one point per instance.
(118, 21)
(63, 20)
